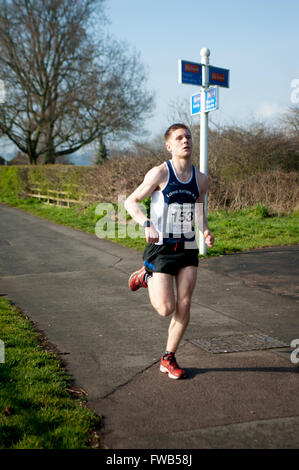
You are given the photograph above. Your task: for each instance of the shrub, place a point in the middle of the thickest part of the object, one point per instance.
(14, 180)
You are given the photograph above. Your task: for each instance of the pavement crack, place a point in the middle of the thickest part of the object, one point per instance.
(124, 384)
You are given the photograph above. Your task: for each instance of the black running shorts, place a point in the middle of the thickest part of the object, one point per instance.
(169, 258)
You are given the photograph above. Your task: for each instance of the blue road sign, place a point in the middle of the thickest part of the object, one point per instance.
(195, 104)
(190, 73)
(211, 101)
(218, 76)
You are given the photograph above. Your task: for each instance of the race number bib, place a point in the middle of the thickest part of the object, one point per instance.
(180, 219)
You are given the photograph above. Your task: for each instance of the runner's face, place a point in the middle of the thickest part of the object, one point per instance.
(179, 143)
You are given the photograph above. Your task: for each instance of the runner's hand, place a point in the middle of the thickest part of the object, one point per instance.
(151, 234)
(209, 238)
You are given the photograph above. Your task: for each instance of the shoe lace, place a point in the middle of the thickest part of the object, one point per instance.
(171, 359)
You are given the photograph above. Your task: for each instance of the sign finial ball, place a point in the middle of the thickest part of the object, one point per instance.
(205, 52)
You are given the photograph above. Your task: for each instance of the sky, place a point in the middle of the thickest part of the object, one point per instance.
(257, 40)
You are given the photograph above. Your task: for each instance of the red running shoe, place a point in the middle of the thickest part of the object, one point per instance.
(137, 279)
(170, 366)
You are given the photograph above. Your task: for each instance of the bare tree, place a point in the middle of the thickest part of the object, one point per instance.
(64, 88)
(290, 121)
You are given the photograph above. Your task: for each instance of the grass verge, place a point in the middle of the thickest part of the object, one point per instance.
(36, 409)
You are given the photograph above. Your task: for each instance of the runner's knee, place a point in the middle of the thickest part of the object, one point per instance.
(184, 304)
(165, 309)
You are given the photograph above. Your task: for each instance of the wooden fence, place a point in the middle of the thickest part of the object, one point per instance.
(54, 197)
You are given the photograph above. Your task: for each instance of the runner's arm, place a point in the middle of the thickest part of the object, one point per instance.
(151, 182)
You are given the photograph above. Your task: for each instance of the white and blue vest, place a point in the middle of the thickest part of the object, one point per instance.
(173, 208)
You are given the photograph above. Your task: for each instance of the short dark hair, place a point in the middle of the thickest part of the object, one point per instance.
(174, 127)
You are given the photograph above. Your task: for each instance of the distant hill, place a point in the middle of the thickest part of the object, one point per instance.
(81, 159)
(17, 158)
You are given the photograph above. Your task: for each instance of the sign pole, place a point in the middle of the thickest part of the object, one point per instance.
(203, 75)
(203, 158)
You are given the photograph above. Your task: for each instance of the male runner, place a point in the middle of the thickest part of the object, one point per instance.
(172, 253)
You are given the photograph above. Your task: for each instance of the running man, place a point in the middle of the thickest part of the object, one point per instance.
(172, 253)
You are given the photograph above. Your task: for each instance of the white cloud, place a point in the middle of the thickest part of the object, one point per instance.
(268, 110)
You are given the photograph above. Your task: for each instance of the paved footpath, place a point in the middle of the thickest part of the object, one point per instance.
(74, 287)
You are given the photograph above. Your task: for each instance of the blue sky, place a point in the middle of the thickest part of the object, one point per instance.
(257, 40)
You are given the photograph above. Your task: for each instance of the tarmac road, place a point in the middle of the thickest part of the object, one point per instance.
(74, 287)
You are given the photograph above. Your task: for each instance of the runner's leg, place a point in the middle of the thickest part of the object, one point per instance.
(161, 293)
(185, 283)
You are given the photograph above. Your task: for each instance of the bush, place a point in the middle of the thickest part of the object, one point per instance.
(276, 190)
(14, 180)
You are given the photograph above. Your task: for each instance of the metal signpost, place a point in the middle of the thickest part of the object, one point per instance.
(203, 155)
(203, 74)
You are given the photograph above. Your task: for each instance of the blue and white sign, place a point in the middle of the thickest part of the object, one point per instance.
(190, 73)
(195, 104)
(212, 99)
(210, 104)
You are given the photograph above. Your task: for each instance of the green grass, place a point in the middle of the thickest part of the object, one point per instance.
(36, 410)
(233, 230)
(251, 228)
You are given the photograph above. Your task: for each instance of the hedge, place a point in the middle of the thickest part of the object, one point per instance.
(277, 189)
